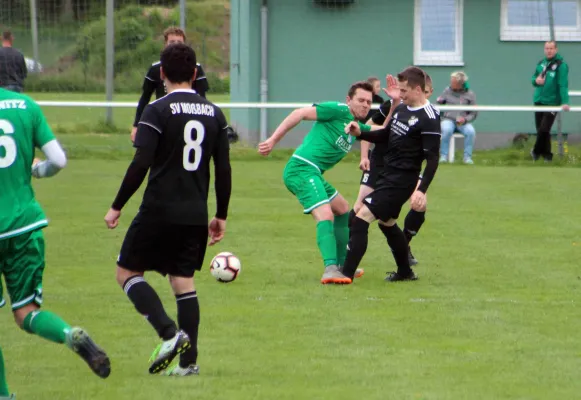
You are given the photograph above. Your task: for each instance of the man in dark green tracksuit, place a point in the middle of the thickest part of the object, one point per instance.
(551, 82)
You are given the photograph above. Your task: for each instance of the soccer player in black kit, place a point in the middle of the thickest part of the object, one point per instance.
(412, 135)
(372, 162)
(176, 138)
(153, 83)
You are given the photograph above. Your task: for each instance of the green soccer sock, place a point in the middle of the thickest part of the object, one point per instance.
(342, 236)
(3, 384)
(326, 242)
(47, 325)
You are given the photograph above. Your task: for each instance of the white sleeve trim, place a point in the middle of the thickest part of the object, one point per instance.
(151, 125)
(431, 133)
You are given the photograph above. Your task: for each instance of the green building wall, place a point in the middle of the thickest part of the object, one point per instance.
(315, 53)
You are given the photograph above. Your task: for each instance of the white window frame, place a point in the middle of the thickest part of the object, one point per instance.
(452, 58)
(537, 33)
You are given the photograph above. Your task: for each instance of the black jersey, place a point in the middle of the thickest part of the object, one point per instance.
(200, 85)
(412, 136)
(153, 83)
(409, 129)
(183, 131)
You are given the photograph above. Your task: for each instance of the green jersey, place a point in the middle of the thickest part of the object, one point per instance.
(327, 143)
(22, 128)
(555, 91)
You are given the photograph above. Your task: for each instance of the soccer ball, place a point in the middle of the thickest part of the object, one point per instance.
(225, 267)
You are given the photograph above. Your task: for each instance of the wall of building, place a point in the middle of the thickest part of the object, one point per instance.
(315, 53)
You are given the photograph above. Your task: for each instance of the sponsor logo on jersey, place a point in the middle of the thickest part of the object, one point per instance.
(343, 144)
(413, 120)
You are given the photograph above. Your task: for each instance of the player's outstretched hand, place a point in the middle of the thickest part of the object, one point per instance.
(112, 218)
(133, 133)
(36, 161)
(418, 201)
(266, 147)
(392, 89)
(352, 128)
(216, 230)
(364, 164)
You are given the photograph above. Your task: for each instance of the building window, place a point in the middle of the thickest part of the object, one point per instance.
(528, 20)
(438, 32)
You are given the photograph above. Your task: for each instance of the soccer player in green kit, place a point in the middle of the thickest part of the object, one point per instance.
(324, 146)
(22, 129)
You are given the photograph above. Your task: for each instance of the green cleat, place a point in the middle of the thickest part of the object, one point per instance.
(166, 351)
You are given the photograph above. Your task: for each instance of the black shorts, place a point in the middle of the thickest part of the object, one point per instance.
(369, 178)
(172, 249)
(389, 196)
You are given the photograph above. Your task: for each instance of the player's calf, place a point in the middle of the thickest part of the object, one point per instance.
(188, 316)
(147, 303)
(357, 246)
(412, 224)
(397, 241)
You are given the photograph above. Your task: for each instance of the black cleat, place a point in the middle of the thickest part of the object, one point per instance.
(81, 343)
(396, 277)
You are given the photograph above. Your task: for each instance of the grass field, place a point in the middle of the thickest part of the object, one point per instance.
(495, 314)
(92, 119)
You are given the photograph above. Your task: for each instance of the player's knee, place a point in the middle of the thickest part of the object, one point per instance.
(182, 284)
(323, 213)
(389, 223)
(123, 274)
(365, 214)
(21, 313)
(339, 205)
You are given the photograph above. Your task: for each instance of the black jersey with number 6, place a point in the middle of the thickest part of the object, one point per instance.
(184, 131)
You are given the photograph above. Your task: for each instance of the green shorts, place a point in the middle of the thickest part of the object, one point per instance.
(306, 182)
(22, 265)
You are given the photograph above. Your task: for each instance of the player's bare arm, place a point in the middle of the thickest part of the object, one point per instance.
(364, 163)
(293, 119)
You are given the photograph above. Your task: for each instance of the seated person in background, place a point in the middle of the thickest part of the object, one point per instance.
(458, 93)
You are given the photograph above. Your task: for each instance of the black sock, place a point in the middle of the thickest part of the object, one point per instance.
(148, 304)
(399, 247)
(412, 224)
(352, 215)
(188, 321)
(357, 246)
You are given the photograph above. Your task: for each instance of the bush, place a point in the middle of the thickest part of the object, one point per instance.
(138, 42)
